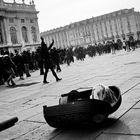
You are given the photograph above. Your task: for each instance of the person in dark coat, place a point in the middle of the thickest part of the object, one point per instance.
(8, 68)
(26, 57)
(40, 61)
(18, 60)
(45, 54)
(56, 59)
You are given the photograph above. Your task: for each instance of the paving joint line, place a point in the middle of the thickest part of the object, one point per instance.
(103, 132)
(34, 121)
(121, 134)
(130, 88)
(26, 133)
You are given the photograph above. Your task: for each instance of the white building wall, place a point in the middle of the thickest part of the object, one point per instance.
(125, 25)
(67, 36)
(95, 32)
(99, 32)
(138, 22)
(108, 28)
(103, 29)
(116, 24)
(113, 27)
(133, 24)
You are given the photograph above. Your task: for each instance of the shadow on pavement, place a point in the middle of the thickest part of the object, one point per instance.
(88, 131)
(106, 124)
(24, 85)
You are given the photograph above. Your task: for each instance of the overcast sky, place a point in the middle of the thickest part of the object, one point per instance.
(57, 13)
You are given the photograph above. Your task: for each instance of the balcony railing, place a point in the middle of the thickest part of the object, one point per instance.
(17, 6)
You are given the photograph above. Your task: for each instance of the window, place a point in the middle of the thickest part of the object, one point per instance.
(31, 21)
(34, 36)
(22, 20)
(13, 35)
(11, 20)
(24, 34)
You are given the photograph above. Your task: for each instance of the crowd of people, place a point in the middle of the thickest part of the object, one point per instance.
(20, 64)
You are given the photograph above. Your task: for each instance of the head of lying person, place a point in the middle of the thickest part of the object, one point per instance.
(104, 93)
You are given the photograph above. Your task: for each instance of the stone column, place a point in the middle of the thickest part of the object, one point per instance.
(121, 25)
(111, 31)
(19, 31)
(101, 30)
(97, 32)
(116, 28)
(106, 29)
(3, 31)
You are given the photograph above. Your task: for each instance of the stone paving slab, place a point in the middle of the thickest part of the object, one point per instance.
(129, 99)
(44, 132)
(19, 129)
(78, 134)
(137, 106)
(127, 124)
(37, 118)
(27, 99)
(118, 137)
(128, 84)
(71, 134)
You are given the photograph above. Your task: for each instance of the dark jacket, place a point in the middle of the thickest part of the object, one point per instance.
(45, 54)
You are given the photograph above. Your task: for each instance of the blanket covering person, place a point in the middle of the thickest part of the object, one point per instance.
(99, 92)
(104, 93)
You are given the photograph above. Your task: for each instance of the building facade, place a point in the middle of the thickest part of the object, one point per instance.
(116, 25)
(18, 26)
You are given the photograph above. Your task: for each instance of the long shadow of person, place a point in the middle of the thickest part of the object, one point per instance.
(24, 85)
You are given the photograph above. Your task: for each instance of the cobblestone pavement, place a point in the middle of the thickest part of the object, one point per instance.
(26, 100)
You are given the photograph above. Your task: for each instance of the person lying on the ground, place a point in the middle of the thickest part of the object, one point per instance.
(99, 92)
(104, 93)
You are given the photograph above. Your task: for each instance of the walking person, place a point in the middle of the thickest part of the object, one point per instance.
(8, 67)
(18, 61)
(56, 59)
(40, 61)
(26, 59)
(45, 54)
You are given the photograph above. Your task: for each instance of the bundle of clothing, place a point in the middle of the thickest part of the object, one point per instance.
(104, 93)
(99, 92)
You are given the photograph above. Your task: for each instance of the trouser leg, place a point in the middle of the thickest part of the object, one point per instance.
(58, 68)
(45, 74)
(54, 73)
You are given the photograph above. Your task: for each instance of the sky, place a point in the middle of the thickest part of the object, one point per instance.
(58, 13)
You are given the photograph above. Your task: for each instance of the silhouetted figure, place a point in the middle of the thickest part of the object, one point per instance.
(56, 59)
(26, 58)
(8, 67)
(40, 61)
(47, 60)
(18, 60)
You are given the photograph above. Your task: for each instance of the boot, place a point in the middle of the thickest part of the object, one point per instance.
(58, 79)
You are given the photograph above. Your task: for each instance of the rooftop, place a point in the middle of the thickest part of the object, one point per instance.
(22, 7)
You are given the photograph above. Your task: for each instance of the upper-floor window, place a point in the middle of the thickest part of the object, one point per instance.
(13, 34)
(24, 34)
(11, 20)
(31, 21)
(22, 20)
